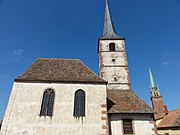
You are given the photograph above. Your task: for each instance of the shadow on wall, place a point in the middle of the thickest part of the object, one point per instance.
(0, 124)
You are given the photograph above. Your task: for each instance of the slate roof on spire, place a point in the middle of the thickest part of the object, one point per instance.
(109, 30)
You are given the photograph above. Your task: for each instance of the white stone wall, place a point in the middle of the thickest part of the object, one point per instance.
(119, 58)
(22, 114)
(114, 65)
(120, 73)
(142, 124)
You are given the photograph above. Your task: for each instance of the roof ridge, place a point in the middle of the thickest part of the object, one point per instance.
(57, 58)
(123, 90)
(178, 109)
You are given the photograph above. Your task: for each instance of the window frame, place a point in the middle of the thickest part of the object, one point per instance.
(112, 47)
(79, 103)
(125, 132)
(47, 104)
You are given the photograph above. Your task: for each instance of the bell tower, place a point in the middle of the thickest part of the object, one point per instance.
(156, 99)
(112, 56)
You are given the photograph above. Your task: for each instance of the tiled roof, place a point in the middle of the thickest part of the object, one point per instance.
(126, 101)
(59, 70)
(172, 119)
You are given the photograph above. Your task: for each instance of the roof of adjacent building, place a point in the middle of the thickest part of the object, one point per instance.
(59, 70)
(172, 119)
(126, 101)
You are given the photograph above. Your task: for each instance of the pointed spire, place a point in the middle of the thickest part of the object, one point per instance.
(109, 30)
(153, 84)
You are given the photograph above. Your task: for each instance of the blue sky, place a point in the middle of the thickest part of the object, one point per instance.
(31, 29)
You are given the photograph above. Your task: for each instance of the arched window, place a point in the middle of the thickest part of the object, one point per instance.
(79, 103)
(47, 103)
(112, 47)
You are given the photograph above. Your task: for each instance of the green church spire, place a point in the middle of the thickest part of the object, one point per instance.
(153, 85)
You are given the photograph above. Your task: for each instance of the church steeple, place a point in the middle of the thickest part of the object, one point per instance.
(109, 31)
(112, 56)
(156, 99)
(153, 86)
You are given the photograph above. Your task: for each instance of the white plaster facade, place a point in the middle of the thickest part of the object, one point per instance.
(141, 124)
(22, 114)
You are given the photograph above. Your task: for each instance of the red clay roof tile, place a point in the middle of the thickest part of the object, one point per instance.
(59, 70)
(126, 101)
(172, 119)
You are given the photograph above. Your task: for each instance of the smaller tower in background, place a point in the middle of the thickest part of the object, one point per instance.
(153, 86)
(156, 99)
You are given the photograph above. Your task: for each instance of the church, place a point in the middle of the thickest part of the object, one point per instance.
(65, 97)
(168, 122)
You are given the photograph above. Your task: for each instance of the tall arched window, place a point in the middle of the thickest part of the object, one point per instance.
(47, 103)
(112, 47)
(79, 103)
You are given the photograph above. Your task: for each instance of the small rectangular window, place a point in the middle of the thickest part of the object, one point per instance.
(127, 126)
(113, 60)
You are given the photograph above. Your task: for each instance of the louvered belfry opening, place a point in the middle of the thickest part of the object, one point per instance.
(127, 126)
(79, 103)
(47, 103)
